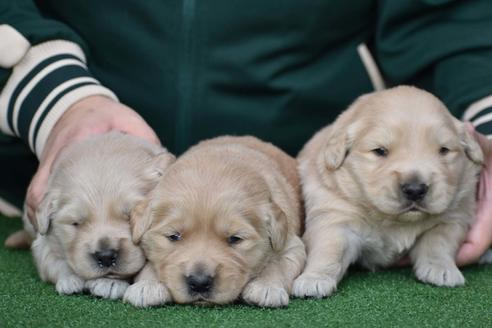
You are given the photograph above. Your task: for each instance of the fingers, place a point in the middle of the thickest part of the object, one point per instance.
(482, 140)
(479, 237)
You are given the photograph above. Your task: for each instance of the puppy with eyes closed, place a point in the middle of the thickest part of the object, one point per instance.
(83, 239)
(395, 174)
(223, 223)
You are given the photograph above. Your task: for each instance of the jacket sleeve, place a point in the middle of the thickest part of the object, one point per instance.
(444, 46)
(43, 72)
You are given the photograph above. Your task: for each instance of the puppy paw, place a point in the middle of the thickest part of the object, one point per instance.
(107, 288)
(146, 293)
(263, 294)
(70, 285)
(313, 285)
(447, 275)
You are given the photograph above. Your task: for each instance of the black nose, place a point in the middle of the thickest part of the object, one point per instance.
(414, 191)
(199, 283)
(106, 258)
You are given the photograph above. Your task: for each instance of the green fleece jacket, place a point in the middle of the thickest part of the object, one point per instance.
(276, 69)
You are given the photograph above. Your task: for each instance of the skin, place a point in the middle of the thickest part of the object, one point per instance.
(97, 115)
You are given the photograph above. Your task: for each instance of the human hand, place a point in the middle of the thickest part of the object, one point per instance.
(90, 116)
(479, 236)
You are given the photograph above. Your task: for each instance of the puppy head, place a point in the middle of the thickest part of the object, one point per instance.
(85, 213)
(406, 155)
(207, 240)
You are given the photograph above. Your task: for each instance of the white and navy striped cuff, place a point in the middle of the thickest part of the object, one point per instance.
(480, 115)
(50, 78)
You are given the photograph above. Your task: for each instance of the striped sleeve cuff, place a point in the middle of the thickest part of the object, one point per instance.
(480, 115)
(50, 78)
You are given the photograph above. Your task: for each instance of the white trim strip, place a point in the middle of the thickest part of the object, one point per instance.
(371, 67)
(62, 105)
(476, 107)
(31, 59)
(54, 93)
(13, 46)
(8, 209)
(32, 84)
(482, 119)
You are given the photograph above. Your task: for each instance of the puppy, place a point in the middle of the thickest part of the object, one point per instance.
(83, 222)
(394, 175)
(223, 222)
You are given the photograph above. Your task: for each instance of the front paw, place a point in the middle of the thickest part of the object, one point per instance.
(70, 285)
(313, 285)
(440, 274)
(107, 288)
(263, 294)
(146, 293)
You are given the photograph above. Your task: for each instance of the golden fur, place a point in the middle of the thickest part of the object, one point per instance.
(229, 210)
(86, 211)
(355, 174)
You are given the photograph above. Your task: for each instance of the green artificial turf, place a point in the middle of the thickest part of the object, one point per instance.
(364, 299)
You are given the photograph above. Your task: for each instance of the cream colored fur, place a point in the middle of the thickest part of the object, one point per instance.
(223, 187)
(355, 209)
(93, 188)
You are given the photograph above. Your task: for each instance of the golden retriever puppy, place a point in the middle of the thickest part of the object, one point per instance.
(83, 222)
(394, 175)
(223, 222)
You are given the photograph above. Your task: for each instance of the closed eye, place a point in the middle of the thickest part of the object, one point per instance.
(234, 239)
(443, 151)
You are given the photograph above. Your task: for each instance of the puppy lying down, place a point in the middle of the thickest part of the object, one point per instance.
(394, 175)
(223, 222)
(83, 222)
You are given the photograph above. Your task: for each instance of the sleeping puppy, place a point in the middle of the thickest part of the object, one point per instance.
(223, 222)
(394, 175)
(83, 222)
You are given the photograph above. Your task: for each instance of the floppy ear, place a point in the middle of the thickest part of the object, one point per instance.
(470, 145)
(276, 225)
(46, 211)
(342, 134)
(159, 165)
(140, 220)
(336, 150)
(162, 161)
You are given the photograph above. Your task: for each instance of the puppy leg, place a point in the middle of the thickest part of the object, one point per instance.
(433, 256)
(331, 249)
(53, 268)
(272, 287)
(147, 290)
(107, 288)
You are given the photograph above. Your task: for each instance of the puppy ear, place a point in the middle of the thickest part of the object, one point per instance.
(470, 145)
(276, 225)
(336, 150)
(342, 133)
(155, 169)
(46, 211)
(162, 161)
(140, 220)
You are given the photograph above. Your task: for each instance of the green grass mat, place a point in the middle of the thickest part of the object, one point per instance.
(364, 299)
